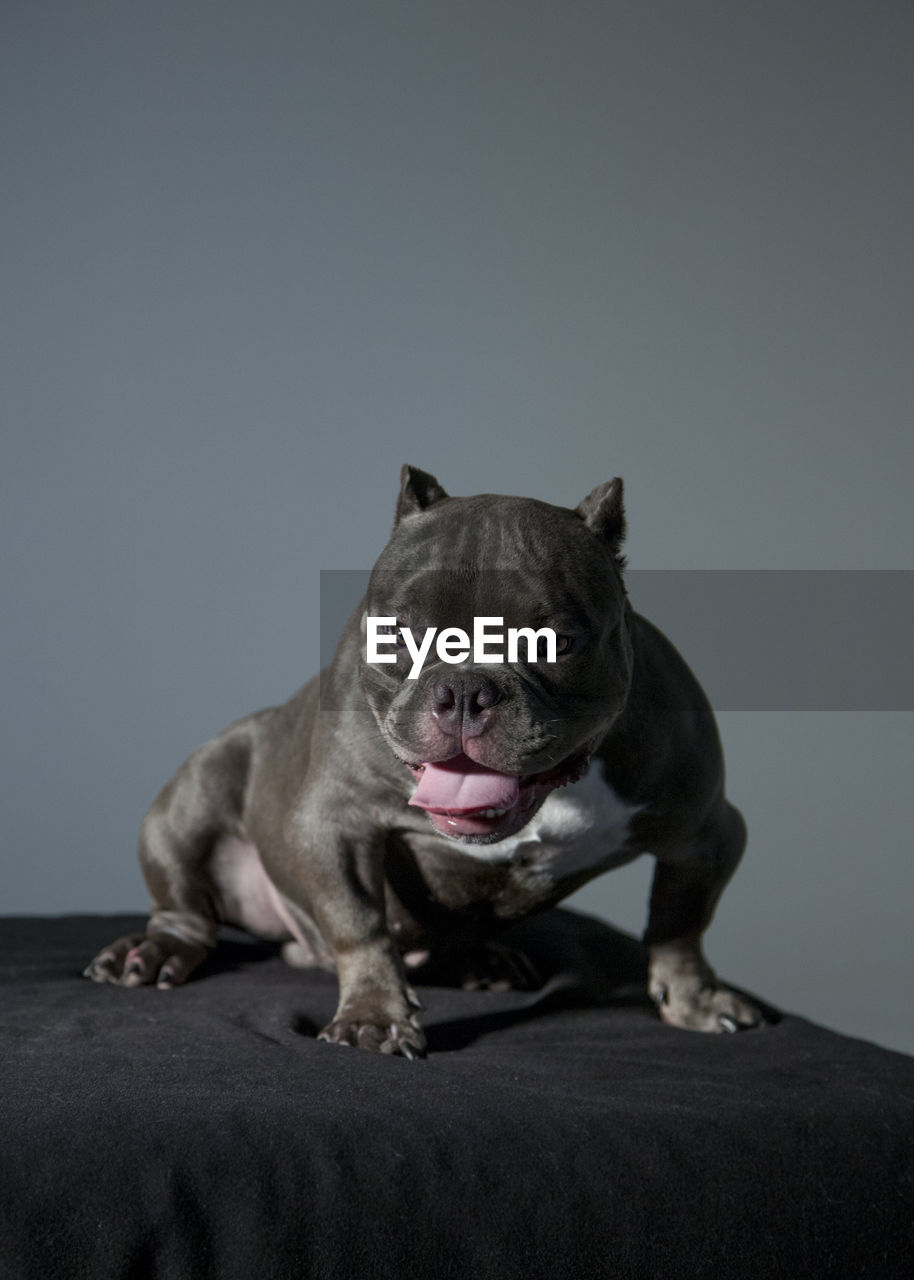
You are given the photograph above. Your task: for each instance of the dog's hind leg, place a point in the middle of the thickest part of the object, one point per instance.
(201, 803)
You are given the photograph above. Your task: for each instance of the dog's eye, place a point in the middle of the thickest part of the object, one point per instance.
(563, 644)
(388, 630)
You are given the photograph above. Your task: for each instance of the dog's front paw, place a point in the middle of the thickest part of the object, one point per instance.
(704, 1006)
(401, 1036)
(687, 994)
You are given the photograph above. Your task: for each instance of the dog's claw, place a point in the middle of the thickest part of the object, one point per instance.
(659, 997)
(404, 1037)
(101, 964)
(728, 1023)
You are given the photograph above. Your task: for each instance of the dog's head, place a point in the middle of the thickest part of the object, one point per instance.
(488, 740)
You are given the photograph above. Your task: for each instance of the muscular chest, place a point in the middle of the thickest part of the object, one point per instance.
(580, 831)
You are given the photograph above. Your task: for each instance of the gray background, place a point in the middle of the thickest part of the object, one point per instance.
(257, 255)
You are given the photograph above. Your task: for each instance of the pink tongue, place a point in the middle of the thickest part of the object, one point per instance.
(461, 783)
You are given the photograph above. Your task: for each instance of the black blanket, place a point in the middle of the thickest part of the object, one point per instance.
(204, 1132)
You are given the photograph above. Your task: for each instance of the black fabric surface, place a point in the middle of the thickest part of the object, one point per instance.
(204, 1132)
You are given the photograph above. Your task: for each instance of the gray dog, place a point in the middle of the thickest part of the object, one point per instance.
(304, 822)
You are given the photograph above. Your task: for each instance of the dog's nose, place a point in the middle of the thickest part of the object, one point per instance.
(464, 700)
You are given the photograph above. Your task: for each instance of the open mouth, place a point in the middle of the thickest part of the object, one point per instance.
(465, 800)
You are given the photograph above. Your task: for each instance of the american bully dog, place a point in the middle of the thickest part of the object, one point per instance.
(497, 727)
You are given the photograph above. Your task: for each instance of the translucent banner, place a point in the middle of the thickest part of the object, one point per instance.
(758, 640)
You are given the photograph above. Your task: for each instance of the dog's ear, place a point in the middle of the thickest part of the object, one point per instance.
(418, 490)
(602, 511)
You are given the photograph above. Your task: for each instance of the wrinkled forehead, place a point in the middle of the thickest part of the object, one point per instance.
(495, 556)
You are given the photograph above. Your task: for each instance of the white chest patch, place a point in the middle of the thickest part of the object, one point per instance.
(578, 826)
